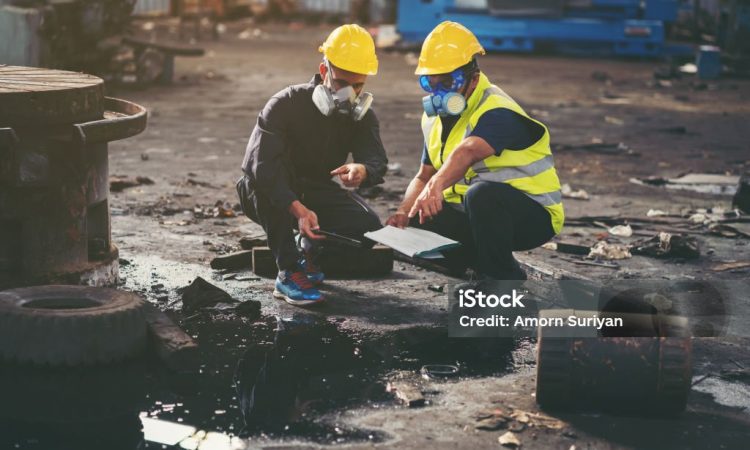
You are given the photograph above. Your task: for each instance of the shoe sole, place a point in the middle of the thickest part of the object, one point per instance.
(291, 301)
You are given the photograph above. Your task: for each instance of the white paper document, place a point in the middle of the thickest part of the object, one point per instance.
(412, 241)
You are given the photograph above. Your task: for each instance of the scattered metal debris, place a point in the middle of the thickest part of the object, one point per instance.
(696, 182)
(118, 183)
(621, 231)
(568, 192)
(201, 294)
(432, 371)
(435, 287)
(220, 209)
(409, 394)
(565, 247)
(731, 265)
(509, 439)
(194, 182)
(582, 262)
(727, 231)
(249, 309)
(667, 245)
(491, 423)
(609, 251)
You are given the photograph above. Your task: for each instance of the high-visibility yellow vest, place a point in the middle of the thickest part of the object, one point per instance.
(530, 170)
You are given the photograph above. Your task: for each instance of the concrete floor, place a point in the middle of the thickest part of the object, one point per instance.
(198, 129)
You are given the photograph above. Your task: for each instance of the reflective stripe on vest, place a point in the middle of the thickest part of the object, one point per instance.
(529, 170)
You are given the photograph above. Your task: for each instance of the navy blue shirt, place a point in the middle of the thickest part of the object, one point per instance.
(502, 128)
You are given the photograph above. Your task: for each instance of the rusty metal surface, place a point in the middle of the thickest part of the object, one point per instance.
(122, 119)
(31, 96)
(650, 370)
(54, 176)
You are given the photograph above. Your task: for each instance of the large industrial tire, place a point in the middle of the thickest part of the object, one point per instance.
(70, 325)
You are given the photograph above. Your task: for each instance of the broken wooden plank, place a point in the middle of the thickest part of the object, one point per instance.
(566, 247)
(233, 261)
(335, 263)
(250, 242)
(407, 393)
(429, 265)
(175, 348)
(592, 263)
(538, 270)
(730, 265)
(263, 262)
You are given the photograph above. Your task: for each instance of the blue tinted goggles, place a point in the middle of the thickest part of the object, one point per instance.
(457, 80)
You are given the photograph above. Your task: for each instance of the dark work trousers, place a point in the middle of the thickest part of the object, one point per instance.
(339, 211)
(496, 220)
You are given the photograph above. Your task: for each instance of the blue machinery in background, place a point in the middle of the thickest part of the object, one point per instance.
(601, 27)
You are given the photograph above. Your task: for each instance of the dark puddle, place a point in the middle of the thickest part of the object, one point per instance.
(289, 378)
(274, 380)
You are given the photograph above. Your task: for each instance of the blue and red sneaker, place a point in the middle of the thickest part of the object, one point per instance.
(311, 270)
(296, 288)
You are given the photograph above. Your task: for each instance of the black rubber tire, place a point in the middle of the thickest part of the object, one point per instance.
(70, 325)
(81, 394)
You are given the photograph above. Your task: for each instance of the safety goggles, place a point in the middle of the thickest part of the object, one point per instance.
(446, 84)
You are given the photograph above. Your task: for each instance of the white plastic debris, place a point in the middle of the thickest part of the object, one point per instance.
(621, 231)
(568, 192)
(655, 213)
(606, 250)
(509, 439)
(394, 168)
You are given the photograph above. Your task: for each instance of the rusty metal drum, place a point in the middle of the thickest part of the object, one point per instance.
(647, 369)
(54, 187)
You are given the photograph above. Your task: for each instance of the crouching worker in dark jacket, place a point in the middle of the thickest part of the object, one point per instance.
(302, 139)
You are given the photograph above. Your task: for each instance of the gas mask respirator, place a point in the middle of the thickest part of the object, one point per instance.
(444, 100)
(344, 101)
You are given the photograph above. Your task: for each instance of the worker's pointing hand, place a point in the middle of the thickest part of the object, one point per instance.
(429, 203)
(352, 175)
(399, 219)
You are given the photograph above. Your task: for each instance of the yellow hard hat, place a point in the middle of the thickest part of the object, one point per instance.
(351, 48)
(449, 46)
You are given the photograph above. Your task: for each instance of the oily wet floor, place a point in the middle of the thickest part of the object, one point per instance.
(276, 379)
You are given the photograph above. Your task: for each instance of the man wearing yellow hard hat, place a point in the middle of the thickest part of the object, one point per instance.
(487, 177)
(301, 141)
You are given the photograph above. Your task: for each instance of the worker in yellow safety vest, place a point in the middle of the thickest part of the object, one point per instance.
(487, 177)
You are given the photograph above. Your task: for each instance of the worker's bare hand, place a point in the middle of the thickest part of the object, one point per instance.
(307, 220)
(399, 219)
(352, 175)
(429, 203)
(308, 224)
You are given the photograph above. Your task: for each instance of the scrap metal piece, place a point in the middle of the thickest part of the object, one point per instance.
(651, 368)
